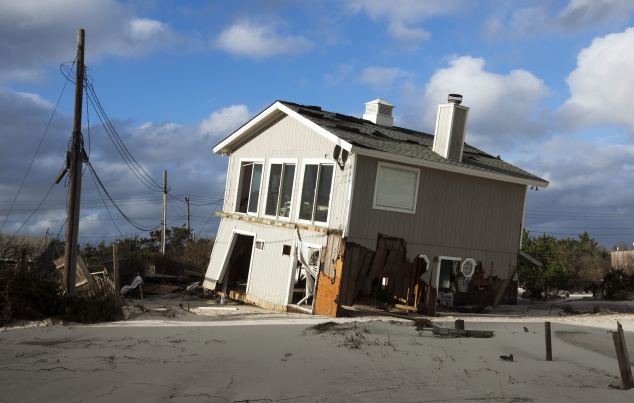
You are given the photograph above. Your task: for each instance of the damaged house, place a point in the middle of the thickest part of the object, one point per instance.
(323, 209)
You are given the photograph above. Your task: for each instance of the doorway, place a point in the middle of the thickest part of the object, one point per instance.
(445, 276)
(236, 277)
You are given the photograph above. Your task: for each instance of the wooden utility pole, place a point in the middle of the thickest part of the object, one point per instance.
(187, 215)
(74, 189)
(549, 344)
(164, 222)
(115, 269)
(623, 357)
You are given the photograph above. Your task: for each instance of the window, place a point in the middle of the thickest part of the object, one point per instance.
(249, 187)
(316, 189)
(280, 190)
(259, 244)
(396, 188)
(286, 250)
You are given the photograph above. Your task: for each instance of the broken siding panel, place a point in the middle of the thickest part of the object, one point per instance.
(456, 215)
(218, 253)
(287, 138)
(271, 271)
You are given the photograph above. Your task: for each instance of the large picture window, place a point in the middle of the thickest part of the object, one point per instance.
(396, 188)
(249, 187)
(280, 190)
(316, 188)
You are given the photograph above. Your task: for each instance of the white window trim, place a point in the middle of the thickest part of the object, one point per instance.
(382, 164)
(314, 161)
(470, 260)
(256, 243)
(237, 201)
(266, 192)
(436, 280)
(229, 250)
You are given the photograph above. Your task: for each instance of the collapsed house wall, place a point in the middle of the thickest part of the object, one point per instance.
(456, 215)
(273, 269)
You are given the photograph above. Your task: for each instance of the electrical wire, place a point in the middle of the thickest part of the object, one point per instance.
(135, 225)
(37, 150)
(104, 203)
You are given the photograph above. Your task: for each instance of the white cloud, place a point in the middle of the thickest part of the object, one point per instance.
(574, 16)
(258, 40)
(403, 16)
(35, 33)
(600, 85)
(580, 13)
(503, 106)
(383, 77)
(586, 191)
(225, 120)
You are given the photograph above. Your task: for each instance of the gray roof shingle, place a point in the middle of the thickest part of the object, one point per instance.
(400, 141)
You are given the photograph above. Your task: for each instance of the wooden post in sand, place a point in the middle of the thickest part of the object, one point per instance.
(623, 357)
(549, 346)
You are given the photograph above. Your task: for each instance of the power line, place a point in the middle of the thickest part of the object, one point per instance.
(37, 150)
(92, 169)
(104, 203)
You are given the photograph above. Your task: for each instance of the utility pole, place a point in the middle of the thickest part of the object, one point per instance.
(164, 223)
(74, 189)
(187, 215)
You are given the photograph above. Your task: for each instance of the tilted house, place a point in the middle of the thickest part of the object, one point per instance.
(323, 209)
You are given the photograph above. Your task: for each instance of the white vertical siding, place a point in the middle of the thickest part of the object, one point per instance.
(270, 275)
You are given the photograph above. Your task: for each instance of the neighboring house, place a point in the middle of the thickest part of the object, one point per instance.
(321, 209)
(623, 259)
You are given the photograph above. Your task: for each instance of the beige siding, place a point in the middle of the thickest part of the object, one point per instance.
(288, 138)
(456, 215)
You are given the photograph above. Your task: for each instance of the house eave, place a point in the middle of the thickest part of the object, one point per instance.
(273, 111)
(448, 167)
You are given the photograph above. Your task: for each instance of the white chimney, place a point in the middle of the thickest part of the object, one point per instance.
(451, 124)
(379, 111)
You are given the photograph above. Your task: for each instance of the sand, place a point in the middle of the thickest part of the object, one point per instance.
(248, 354)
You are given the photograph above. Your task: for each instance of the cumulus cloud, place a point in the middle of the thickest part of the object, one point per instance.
(182, 149)
(504, 107)
(260, 40)
(225, 120)
(383, 77)
(36, 33)
(586, 191)
(404, 16)
(601, 83)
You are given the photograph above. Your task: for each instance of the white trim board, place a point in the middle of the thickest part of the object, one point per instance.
(272, 111)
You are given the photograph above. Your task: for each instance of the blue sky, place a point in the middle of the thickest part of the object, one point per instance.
(547, 83)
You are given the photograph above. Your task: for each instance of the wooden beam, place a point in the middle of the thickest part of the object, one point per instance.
(283, 224)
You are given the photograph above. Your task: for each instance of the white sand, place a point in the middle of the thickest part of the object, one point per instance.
(254, 355)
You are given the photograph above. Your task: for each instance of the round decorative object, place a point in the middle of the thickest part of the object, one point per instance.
(468, 267)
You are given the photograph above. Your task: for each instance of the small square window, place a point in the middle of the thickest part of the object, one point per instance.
(259, 244)
(286, 250)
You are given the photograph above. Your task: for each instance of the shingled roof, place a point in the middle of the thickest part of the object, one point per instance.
(403, 142)
(384, 142)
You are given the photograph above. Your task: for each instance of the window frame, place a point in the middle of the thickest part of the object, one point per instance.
(382, 164)
(239, 189)
(315, 161)
(289, 161)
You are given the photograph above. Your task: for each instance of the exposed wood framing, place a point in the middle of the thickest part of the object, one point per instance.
(277, 223)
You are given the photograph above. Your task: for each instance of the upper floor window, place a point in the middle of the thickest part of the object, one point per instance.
(396, 188)
(280, 190)
(316, 188)
(249, 187)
